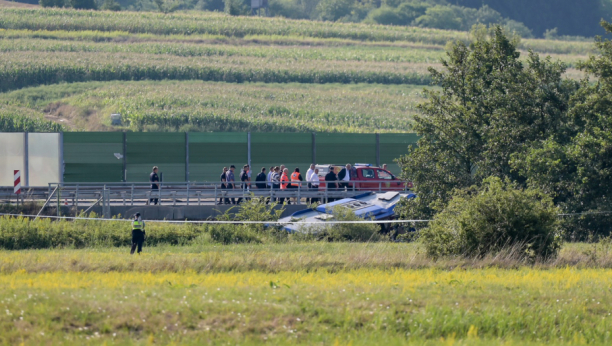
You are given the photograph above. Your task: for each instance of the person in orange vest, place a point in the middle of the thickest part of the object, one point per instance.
(296, 179)
(284, 183)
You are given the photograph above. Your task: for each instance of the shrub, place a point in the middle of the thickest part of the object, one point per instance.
(349, 232)
(496, 216)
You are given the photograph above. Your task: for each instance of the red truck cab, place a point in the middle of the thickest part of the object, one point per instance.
(368, 178)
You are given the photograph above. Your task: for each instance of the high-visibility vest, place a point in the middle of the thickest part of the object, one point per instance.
(284, 178)
(137, 224)
(295, 177)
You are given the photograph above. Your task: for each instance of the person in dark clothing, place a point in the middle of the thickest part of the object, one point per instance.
(224, 186)
(154, 178)
(330, 180)
(344, 176)
(138, 234)
(244, 178)
(230, 181)
(261, 179)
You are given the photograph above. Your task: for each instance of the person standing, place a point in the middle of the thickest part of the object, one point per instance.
(296, 181)
(384, 166)
(244, 181)
(330, 180)
(309, 174)
(314, 184)
(261, 179)
(223, 187)
(138, 234)
(284, 183)
(153, 179)
(344, 176)
(269, 178)
(229, 178)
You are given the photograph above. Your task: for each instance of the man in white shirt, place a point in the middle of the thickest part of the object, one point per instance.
(270, 176)
(309, 174)
(314, 183)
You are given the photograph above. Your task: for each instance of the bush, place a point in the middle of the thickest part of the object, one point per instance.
(349, 232)
(497, 216)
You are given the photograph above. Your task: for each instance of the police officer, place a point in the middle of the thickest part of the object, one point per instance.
(138, 233)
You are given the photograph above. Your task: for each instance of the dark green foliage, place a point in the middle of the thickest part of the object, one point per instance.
(575, 164)
(569, 16)
(491, 106)
(51, 3)
(20, 123)
(110, 5)
(498, 216)
(83, 4)
(238, 7)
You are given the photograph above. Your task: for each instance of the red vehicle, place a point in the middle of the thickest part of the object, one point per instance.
(368, 178)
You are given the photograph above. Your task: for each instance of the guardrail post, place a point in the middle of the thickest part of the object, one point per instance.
(58, 200)
(188, 194)
(76, 195)
(132, 195)
(215, 196)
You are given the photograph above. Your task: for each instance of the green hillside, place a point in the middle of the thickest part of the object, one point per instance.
(204, 71)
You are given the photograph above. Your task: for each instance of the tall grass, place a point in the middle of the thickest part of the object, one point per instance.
(22, 120)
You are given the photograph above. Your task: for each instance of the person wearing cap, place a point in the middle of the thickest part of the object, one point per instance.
(138, 233)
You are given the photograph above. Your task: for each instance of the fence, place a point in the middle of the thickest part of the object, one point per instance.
(73, 157)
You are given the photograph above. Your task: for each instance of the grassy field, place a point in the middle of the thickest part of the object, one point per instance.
(302, 293)
(213, 106)
(249, 56)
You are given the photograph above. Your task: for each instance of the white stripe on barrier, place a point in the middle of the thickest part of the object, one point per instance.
(220, 222)
(16, 182)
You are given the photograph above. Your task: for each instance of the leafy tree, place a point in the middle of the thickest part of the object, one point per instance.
(51, 3)
(441, 17)
(575, 165)
(491, 105)
(333, 10)
(110, 5)
(83, 4)
(237, 7)
(495, 217)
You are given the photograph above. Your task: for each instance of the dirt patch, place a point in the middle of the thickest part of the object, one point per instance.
(74, 117)
(4, 3)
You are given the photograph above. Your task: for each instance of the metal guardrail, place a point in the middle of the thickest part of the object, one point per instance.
(195, 193)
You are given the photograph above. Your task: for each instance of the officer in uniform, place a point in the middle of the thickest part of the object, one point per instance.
(138, 233)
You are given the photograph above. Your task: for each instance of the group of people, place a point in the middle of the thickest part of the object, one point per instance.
(279, 178)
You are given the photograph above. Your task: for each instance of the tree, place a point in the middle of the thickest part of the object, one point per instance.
(51, 3)
(333, 10)
(110, 5)
(83, 4)
(491, 105)
(575, 164)
(441, 17)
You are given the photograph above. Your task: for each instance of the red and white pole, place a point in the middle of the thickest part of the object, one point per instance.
(17, 180)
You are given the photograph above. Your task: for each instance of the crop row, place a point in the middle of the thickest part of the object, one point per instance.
(22, 120)
(189, 23)
(344, 53)
(212, 106)
(22, 69)
(206, 23)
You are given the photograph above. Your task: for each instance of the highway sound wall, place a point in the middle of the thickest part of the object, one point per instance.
(129, 156)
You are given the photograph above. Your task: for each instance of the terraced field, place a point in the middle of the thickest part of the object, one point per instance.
(254, 73)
